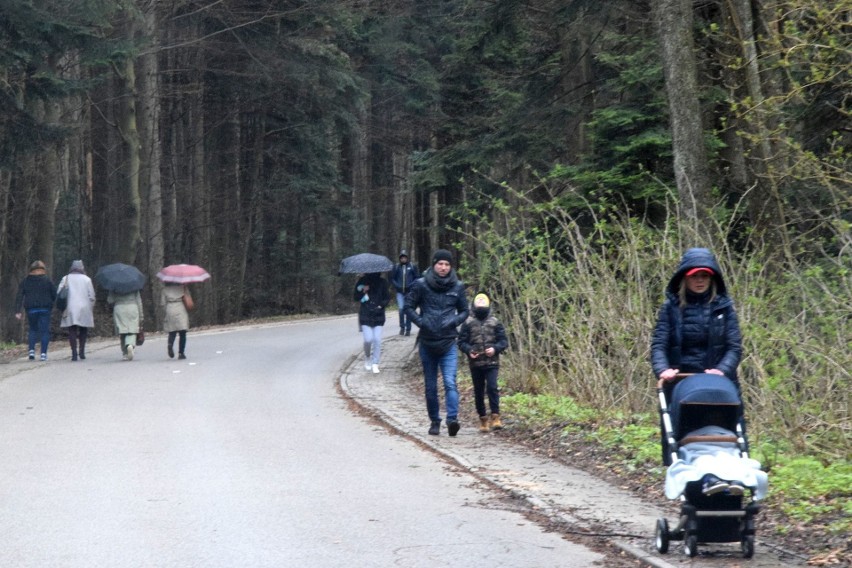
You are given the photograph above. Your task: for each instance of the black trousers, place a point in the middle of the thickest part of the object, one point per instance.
(181, 341)
(485, 381)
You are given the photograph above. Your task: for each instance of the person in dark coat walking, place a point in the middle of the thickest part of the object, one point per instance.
(697, 329)
(371, 292)
(403, 276)
(36, 295)
(482, 338)
(437, 305)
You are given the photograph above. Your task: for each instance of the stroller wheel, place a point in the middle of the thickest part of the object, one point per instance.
(748, 546)
(690, 545)
(661, 536)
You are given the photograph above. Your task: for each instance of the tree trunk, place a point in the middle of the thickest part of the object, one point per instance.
(766, 206)
(151, 182)
(674, 19)
(361, 174)
(48, 181)
(129, 199)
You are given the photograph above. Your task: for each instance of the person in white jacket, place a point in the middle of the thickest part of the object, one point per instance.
(79, 316)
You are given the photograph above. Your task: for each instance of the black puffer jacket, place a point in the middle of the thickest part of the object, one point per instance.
(704, 334)
(442, 306)
(372, 311)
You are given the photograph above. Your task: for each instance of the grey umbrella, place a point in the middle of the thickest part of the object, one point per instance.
(365, 263)
(120, 278)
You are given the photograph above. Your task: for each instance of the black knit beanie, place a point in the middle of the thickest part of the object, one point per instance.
(442, 254)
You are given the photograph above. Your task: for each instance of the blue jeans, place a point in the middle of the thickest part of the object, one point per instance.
(372, 343)
(404, 322)
(448, 363)
(39, 321)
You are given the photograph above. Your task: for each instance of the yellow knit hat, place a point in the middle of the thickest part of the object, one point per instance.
(481, 301)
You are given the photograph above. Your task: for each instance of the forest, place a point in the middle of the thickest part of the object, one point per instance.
(567, 151)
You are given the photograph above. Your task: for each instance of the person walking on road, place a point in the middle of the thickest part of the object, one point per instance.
(403, 275)
(482, 338)
(36, 295)
(697, 329)
(79, 316)
(437, 305)
(371, 293)
(176, 323)
(127, 315)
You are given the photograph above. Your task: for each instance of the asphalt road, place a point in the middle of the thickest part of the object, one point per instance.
(244, 455)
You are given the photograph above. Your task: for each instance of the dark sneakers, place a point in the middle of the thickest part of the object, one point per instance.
(435, 428)
(453, 427)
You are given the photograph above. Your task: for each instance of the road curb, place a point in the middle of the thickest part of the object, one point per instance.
(351, 369)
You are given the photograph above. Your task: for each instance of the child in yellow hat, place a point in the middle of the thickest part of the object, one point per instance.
(482, 338)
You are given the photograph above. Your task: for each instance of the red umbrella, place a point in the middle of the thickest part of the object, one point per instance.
(183, 274)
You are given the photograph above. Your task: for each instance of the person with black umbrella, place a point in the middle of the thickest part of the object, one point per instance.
(371, 293)
(127, 314)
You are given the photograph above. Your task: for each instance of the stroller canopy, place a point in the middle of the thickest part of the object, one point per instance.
(704, 399)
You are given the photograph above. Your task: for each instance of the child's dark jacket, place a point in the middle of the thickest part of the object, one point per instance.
(476, 335)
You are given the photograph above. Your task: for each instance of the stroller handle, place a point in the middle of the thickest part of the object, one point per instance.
(677, 377)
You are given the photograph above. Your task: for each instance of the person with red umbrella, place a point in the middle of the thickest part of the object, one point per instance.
(177, 301)
(175, 298)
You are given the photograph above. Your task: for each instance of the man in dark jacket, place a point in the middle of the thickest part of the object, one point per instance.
(403, 276)
(440, 298)
(36, 295)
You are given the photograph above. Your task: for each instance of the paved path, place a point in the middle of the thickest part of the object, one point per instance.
(577, 501)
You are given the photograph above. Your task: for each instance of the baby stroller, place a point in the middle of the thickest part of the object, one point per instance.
(718, 517)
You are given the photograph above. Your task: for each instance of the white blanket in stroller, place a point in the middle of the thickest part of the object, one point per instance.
(722, 459)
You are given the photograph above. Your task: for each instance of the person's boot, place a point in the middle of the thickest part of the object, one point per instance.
(171, 350)
(402, 331)
(483, 424)
(83, 349)
(453, 427)
(435, 428)
(496, 424)
(73, 350)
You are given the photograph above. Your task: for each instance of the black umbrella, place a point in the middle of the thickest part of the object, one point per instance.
(365, 263)
(120, 278)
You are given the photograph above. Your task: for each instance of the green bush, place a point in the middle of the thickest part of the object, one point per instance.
(579, 294)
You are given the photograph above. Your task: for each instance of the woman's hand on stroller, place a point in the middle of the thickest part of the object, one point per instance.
(669, 374)
(666, 376)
